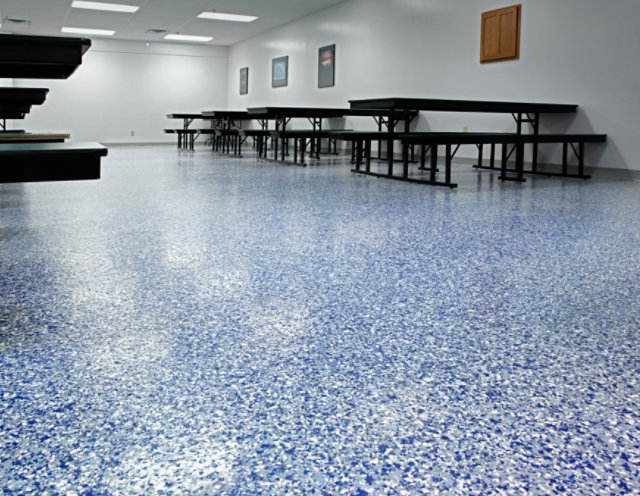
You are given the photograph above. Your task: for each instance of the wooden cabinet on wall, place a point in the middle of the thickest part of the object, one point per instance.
(500, 38)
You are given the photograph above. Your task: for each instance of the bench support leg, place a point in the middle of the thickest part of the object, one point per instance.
(434, 163)
(447, 170)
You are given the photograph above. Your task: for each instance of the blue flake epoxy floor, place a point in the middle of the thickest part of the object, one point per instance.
(198, 325)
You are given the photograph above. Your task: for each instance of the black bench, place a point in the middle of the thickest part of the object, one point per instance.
(35, 162)
(361, 143)
(301, 138)
(186, 137)
(231, 121)
(229, 141)
(431, 141)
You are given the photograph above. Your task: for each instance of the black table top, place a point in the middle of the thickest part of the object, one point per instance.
(185, 115)
(49, 57)
(285, 112)
(228, 114)
(432, 104)
(320, 112)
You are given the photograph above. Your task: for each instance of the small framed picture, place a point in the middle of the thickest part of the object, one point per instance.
(244, 80)
(326, 66)
(280, 72)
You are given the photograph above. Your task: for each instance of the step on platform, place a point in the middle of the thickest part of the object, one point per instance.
(15, 103)
(35, 162)
(40, 57)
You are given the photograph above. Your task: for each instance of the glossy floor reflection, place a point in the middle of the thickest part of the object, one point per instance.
(192, 324)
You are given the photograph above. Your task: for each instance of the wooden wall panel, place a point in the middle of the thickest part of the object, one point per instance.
(500, 38)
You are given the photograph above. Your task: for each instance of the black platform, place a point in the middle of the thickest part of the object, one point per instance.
(40, 57)
(31, 96)
(443, 105)
(16, 103)
(50, 162)
(233, 115)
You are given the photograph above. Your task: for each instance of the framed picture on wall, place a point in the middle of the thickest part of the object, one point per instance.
(244, 80)
(280, 72)
(326, 66)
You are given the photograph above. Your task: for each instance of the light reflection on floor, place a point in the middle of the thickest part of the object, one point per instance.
(192, 324)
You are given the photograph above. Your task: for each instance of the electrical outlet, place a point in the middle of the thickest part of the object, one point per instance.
(133, 133)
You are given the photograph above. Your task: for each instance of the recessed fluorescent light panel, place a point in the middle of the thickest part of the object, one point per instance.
(187, 37)
(98, 32)
(219, 16)
(109, 7)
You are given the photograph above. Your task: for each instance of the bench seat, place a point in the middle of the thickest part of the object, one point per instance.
(430, 141)
(186, 137)
(300, 138)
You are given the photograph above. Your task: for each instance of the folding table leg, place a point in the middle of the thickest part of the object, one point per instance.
(503, 174)
(581, 159)
(405, 160)
(447, 172)
(520, 161)
(434, 163)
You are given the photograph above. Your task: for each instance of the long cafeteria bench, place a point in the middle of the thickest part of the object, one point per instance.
(300, 139)
(431, 141)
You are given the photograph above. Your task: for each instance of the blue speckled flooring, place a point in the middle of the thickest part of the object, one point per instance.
(199, 325)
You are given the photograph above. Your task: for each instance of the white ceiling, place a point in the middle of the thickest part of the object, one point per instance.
(46, 17)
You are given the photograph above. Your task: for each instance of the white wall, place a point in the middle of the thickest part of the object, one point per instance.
(126, 86)
(572, 51)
